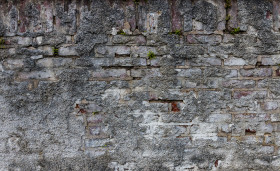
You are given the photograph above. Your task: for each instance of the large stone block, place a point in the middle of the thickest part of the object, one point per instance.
(79, 90)
(47, 74)
(67, 51)
(262, 72)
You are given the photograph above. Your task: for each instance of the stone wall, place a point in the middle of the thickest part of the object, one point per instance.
(148, 85)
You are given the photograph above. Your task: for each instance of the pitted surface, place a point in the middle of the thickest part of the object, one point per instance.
(139, 85)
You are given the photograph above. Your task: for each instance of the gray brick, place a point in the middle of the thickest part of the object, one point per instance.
(232, 61)
(67, 51)
(239, 83)
(190, 73)
(271, 60)
(262, 72)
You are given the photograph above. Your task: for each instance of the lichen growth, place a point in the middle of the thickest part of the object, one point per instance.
(235, 30)
(94, 113)
(227, 4)
(151, 55)
(121, 32)
(2, 43)
(227, 17)
(177, 32)
(136, 1)
(55, 51)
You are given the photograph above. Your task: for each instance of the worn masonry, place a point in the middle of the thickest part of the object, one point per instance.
(150, 85)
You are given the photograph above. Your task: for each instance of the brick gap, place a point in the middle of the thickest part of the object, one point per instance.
(165, 101)
(117, 67)
(250, 132)
(54, 20)
(129, 67)
(174, 107)
(122, 55)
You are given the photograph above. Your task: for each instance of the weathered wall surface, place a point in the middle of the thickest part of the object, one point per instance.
(80, 92)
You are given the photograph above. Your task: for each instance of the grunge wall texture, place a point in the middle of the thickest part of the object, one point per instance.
(78, 90)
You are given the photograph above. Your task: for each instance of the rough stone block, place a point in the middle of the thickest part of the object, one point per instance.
(250, 94)
(204, 128)
(118, 50)
(225, 128)
(268, 139)
(119, 73)
(12, 51)
(189, 73)
(251, 117)
(142, 51)
(201, 83)
(275, 117)
(204, 39)
(219, 72)
(39, 40)
(210, 61)
(93, 143)
(239, 83)
(277, 138)
(67, 51)
(253, 140)
(48, 75)
(207, 16)
(266, 150)
(264, 128)
(207, 101)
(12, 64)
(276, 127)
(152, 22)
(262, 72)
(46, 62)
(54, 62)
(129, 40)
(154, 72)
(219, 118)
(24, 41)
(188, 25)
(228, 38)
(271, 60)
(270, 105)
(232, 61)
(37, 57)
(47, 50)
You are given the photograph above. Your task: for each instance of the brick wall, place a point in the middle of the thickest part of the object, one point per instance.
(140, 85)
